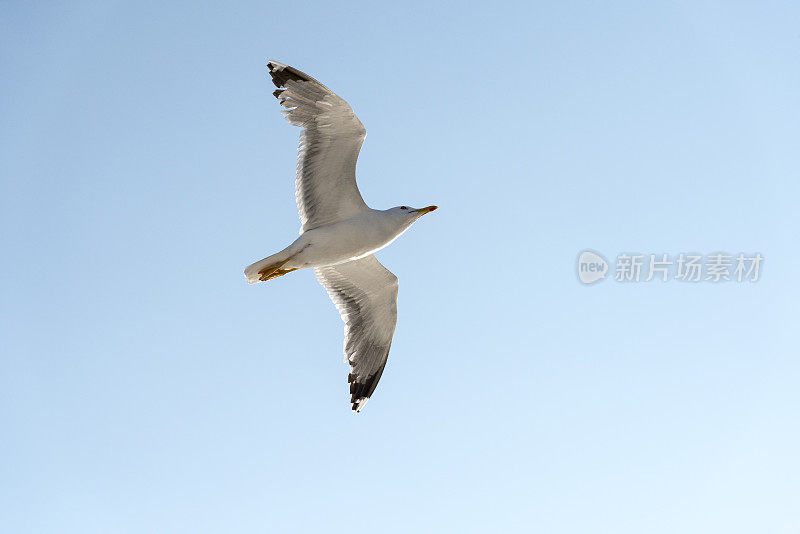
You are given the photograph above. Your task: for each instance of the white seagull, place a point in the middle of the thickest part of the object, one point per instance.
(339, 233)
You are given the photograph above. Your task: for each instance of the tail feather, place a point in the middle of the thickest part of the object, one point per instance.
(268, 268)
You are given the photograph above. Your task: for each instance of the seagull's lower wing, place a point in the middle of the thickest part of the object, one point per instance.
(365, 293)
(325, 185)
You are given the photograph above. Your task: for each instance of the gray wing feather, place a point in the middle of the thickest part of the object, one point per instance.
(365, 293)
(325, 184)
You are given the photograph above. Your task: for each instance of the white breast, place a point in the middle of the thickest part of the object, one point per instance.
(347, 240)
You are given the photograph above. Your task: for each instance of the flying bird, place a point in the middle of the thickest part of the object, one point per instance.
(339, 233)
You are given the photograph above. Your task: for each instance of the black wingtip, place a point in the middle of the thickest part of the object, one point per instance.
(360, 392)
(281, 74)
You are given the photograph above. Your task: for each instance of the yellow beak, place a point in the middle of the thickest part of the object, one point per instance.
(423, 211)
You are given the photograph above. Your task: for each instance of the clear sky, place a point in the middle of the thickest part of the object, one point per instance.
(146, 387)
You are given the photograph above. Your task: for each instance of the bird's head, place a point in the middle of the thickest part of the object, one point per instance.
(401, 218)
(412, 214)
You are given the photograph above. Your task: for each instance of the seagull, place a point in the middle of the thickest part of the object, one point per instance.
(339, 233)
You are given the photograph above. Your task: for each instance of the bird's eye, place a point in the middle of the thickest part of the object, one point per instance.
(403, 207)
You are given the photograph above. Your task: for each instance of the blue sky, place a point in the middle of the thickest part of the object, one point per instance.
(145, 387)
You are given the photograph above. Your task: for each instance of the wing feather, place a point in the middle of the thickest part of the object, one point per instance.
(325, 183)
(365, 293)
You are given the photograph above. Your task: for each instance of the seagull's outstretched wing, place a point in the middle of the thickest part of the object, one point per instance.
(325, 185)
(365, 293)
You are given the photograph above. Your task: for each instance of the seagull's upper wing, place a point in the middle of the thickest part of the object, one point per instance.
(365, 293)
(325, 185)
